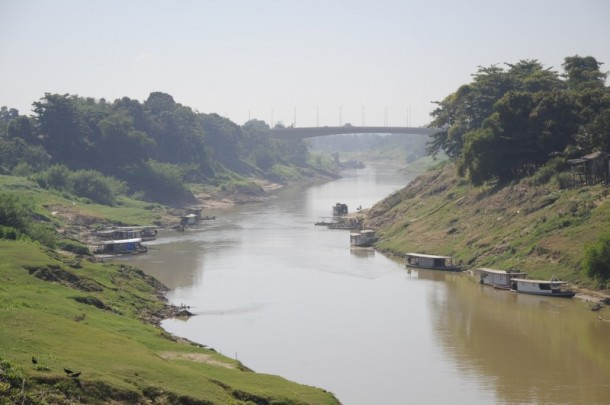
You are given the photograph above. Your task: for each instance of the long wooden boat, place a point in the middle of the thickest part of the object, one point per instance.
(498, 279)
(123, 246)
(547, 288)
(432, 262)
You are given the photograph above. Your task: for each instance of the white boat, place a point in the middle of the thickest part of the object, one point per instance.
(547, 288)
(432, 262)
(500, 279)
(363, 238)
(123, 246)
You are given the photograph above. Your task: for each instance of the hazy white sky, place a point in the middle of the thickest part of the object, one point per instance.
(267, 59)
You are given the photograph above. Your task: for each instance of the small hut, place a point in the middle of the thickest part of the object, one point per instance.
(590, 169)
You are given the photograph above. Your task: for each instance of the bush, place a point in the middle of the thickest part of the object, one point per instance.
(597, 259)
(550, 169)
(74, 247)
(95, 186)
(15, 211)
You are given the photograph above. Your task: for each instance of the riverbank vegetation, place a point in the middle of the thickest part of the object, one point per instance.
(155, 151)
(516, 193)
(81, 164)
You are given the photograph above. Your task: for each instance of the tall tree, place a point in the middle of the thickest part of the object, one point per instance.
(65, 134)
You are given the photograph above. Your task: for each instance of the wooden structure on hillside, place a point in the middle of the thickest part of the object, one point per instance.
(591, 169)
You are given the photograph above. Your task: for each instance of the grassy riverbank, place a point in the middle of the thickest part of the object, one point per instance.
(540, 229)
(98, 320)
(101, 320)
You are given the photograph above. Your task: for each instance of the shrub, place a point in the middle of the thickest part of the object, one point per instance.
(550, 169)
(15, 211)
(95, 186)
(597, 259)
(74, 247)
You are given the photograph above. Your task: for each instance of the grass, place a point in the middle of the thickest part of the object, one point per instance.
(542, 230)
(128, 211)
(87, 317)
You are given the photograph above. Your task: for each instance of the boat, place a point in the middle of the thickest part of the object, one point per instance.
(190, 219)
(364, 238)
(547, 288)
(324, 221)
(123, 246)
(498, 279)
(432, 262)
(340, 209)
(145, 233)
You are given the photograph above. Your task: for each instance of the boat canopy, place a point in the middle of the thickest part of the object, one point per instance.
(427, 256)
(495, 271)
(121, 241)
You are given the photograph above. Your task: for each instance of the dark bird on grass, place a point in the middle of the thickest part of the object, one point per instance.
(34, 361)
(75, 375)
(68, 371)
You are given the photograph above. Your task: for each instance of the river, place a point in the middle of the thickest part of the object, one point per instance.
(289, 298)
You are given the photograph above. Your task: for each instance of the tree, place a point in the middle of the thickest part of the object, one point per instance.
(65, 134)
(466, 109)
(121, 143)
(583, 72)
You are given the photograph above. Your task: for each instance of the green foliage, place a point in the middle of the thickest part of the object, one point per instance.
(74, 247)
(119, 140)
(507, 123)
(95, 186)
(84, 183)
(596, 262)
(552, 168)
(15, 211)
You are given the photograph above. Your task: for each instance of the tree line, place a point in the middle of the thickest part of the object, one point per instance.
(508, 122)
(149, 149)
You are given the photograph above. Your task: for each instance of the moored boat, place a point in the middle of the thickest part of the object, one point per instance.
(432, 262)
(123, 246)
(499, 279)
(363, 238)
(340, 209)
(547, 288)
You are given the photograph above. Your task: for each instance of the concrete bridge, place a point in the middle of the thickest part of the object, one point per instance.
(312, 132)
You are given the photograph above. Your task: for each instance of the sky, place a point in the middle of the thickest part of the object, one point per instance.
(303, 63)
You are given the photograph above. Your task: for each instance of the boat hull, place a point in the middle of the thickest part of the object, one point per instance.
(561, 294)
(453, 269)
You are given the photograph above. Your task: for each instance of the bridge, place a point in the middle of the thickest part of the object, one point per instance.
(312, 132)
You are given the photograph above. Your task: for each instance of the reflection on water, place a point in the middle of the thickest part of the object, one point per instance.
(290, 298)
(538, 349)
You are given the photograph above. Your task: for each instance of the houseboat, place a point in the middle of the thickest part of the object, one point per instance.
(190, 219)
(118, 233)
(500, 279)
(363, 238)
(432, 262)
(547, 288)
(340, 209)
(123, 246)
